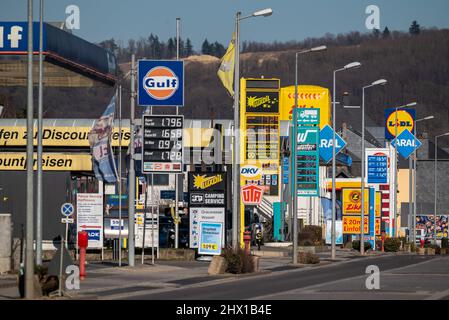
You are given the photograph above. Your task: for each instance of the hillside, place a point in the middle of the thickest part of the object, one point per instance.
(416, 67)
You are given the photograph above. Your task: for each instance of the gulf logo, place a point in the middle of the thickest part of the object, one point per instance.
(404, 121)
(160, 83)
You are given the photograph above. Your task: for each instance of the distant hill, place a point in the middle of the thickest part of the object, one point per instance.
(416, 66)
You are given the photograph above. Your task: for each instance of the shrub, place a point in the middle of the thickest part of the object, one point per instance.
(308, 258)
(392, 244)
(445, 243)
(356, 245)
(413, 247)
(238, 261)
(311, 234)
(305, 243)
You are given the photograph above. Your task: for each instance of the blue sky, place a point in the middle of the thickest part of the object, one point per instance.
(214, 20)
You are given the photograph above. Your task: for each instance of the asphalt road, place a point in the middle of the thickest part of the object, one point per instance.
(402, 277)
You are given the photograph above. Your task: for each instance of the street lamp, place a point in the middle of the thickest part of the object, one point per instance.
(436, 189)
(352, 65)
(409, 105)
(380, 82)
(293, 208)
(235, 177)
(415, 160)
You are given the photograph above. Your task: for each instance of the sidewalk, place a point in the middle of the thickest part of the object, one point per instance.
(105, 280)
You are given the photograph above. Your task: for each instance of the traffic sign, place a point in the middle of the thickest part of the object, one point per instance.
(67, 209)
(326, 143)
(161, 83)
(67, 220)
(406, 143)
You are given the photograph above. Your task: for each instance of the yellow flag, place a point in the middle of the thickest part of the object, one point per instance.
(226, 70)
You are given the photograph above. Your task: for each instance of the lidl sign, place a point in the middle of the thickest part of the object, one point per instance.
(405, 119)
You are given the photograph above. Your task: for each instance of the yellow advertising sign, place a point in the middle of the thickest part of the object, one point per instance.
(352, 201)
(378, 206)
(351, 225)
(50, 161)
(377, 226)
(58, 136)
(308, 97)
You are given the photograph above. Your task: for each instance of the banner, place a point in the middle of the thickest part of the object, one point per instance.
(100, 142)
(12, 161)
(199, 215)
(226, 70)
(338, 232)
(60, 136)
(426, 223)
(89, 217)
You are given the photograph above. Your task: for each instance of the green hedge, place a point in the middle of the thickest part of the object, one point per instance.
(392, 244)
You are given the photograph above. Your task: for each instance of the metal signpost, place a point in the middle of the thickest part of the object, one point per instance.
(67, 210)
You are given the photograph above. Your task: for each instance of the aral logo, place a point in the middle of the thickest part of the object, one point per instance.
(404, 121)
(160, 83)
(250, 171)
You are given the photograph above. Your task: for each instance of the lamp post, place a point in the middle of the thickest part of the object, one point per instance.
(294, 198)
(236, 149)
(436, 189)
(380, 82)
(409, 105)
(415, 160)
(349, 66)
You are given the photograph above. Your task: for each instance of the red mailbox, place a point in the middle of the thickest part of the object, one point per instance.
(82, 239)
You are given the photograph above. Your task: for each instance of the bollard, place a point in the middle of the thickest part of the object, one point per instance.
(82, 244)
(384, 235)
(247, 240)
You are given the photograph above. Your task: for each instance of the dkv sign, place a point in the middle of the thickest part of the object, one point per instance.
(250, 172)
(252, 194)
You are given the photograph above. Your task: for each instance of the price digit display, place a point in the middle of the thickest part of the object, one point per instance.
(162, 143)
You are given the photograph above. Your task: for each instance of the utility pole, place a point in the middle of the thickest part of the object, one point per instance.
(178, 20)
(39, 140)
(132, 172)
(120, 177)
(29, 259)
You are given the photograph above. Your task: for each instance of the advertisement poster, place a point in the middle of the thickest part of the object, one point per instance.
(199, 215)
(89, 217)
(338, 232)
(352, 201)
(426, 223)
(210, 238)
(351, 225)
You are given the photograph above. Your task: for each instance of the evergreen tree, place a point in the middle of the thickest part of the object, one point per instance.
(206, 47)
(376, 33)
(415, 28)
(386, 34)
(188, 48)
(171, 48)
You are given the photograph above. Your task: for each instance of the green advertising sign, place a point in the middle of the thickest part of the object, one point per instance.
(308, 116)
(308, 161)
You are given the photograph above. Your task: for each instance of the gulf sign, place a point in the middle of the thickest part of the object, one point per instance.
(405, 120)
(160, 83)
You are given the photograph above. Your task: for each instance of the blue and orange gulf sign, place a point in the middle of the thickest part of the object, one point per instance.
(160, 83)
(405, 120)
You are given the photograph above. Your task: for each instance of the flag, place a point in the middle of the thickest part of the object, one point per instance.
(226, 70)
(103, 162)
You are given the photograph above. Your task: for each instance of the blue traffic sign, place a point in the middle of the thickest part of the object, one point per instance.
(161, 83)
(406, 143)
(67, 209)
(326, 139)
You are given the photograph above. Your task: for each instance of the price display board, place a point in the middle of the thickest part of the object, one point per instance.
(162, 149)
(307, 160)
(262, 138)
